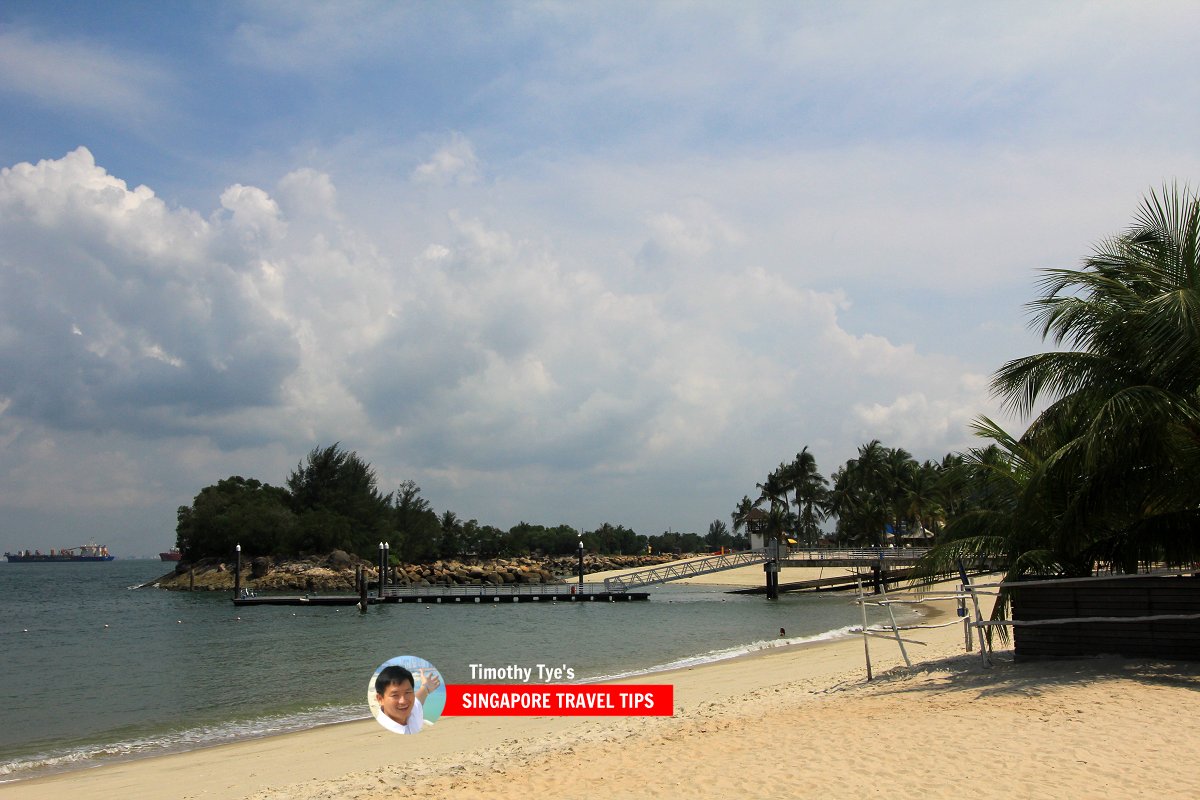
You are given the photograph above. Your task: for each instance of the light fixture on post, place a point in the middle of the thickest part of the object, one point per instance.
(581, 563)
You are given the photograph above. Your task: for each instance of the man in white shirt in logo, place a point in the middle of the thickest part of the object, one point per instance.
(399, 702)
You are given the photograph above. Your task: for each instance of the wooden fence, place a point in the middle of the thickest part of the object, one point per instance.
(1134, 616)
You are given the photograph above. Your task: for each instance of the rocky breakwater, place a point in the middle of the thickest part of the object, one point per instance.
(335, 573)
(517, 570)
(473, 572)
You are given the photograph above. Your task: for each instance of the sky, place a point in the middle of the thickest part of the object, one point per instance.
(560, 262)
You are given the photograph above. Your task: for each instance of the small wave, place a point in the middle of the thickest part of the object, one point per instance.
(40, 764)
(724, 654)
(94, 755)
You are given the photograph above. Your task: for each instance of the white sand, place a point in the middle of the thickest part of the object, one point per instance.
(793, 722)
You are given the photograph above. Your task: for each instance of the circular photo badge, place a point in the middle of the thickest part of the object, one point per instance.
(406, 694)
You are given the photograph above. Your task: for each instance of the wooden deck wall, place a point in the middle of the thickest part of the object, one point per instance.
(1129, 597)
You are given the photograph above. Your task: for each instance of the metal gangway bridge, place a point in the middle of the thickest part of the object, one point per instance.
(884, 558)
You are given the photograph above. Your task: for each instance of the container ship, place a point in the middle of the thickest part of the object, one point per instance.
(87, 552)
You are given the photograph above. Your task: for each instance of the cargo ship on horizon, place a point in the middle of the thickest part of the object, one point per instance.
(87, 552)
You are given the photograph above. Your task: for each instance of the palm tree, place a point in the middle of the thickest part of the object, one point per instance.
(810, 491)
(921, 497)
(862, 512)
(1015, 516)
(1123, 413)
(896, 477)
(774, 489)
(777, 525)
(743, 515)
(867, 492)
(952, 491)
(775, 492)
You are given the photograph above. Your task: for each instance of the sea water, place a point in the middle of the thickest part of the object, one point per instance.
(93, 669)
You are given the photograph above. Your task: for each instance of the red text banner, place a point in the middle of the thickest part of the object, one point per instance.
(555, 700)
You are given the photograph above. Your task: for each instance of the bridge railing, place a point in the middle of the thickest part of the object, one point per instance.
(683, 569)
(703, 566)
(865, 554)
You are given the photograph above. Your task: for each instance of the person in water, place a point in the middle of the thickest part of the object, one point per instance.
(400, 703)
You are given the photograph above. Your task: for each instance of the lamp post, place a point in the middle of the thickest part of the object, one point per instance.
(237, 574)
(580, 563)
(387, 558)
(379, 591)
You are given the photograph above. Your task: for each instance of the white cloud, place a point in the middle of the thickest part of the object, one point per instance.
(920, 420)
(253, 210)
(118, 308)
(454, 162)
(80, 75)
(480, 356)
(294, 36)
(557, 265)
(308, 194)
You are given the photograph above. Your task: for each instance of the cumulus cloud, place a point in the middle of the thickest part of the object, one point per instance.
(485, 363)
(454, 162)
(117, 315)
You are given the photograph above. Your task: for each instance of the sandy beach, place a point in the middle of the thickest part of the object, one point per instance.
(788, 722)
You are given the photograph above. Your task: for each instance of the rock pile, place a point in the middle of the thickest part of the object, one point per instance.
(336, 571)
(474, 573)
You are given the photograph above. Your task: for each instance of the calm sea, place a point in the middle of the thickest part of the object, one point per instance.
(94, 670)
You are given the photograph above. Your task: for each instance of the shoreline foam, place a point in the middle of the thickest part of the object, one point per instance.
(99, 755)
(682, 670)
(790, 721)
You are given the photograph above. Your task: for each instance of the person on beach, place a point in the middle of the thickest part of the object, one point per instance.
(400, 703)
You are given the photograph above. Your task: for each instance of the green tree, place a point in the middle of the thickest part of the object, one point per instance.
(1122, 389)
(340, 488)
(718, 535)
(320, 531)
(1109, 471)
(235, 511)
(810, 493)
(774, 492)
(743, 515)
(1014, 518)
(860, 497)
(876, 490)
(952, 492)
(484, 541)
(676, 542)
(559, 540)
(609, 538)
(897, 474)
(450, 542)
(923, 497)
(415, 525)
(521, 538)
